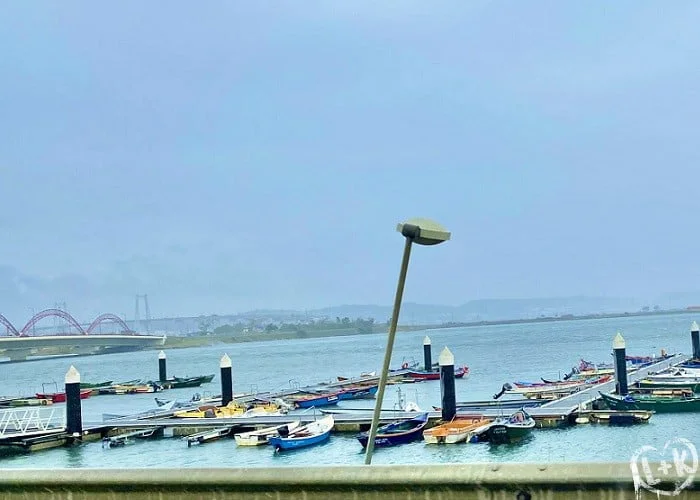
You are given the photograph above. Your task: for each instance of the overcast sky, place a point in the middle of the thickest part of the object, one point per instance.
(234, 155)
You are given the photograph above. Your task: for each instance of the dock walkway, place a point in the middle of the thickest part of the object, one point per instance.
(586, 396)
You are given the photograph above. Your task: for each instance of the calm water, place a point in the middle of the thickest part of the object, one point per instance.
(495, 355)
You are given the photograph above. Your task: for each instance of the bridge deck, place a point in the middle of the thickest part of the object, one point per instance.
(586, 396)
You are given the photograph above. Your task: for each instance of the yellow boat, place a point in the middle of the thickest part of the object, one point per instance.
(455, 431)
(233, 409)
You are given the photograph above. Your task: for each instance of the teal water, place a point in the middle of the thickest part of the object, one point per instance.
(495, 354)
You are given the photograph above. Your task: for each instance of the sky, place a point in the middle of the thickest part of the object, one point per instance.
(242, 155)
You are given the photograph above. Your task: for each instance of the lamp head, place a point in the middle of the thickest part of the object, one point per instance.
(423, 231)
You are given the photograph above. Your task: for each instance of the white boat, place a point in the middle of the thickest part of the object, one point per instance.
(262, 436)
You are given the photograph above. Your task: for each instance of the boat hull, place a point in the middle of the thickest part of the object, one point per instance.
(280, 443)
(658, 405)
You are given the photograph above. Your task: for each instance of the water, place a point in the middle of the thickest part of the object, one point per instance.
(495, 354)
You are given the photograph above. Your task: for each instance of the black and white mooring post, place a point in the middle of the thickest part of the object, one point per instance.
(427, 354)
(447, 385)
(620, 365)
(74, 416)
(695, 337)
(226, 380)
(162, 367)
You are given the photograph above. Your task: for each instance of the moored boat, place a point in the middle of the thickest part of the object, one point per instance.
(310, 434)
(455, 431)
(396, 433)
(60, 397)
(97, 385)
(263, 436)
(231, 410)
(506, 430)
(658, 404)
(460, 372)
(314, 400)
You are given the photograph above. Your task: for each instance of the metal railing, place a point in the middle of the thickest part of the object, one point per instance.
(20, 422)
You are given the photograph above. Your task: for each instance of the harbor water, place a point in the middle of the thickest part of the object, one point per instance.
(494, 354)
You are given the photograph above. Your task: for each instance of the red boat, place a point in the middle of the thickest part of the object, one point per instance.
(423, 375)
(60, 397)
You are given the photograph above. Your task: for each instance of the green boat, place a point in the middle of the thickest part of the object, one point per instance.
(652, 403)
(88, 385)
(653, 384)
(186, 382)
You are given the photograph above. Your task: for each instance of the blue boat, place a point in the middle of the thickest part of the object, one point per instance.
(308, 435)
(358, 393)
(396, 433)
(317, 400)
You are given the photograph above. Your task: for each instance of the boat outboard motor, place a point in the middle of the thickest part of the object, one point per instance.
(283, 431)
(506, 387)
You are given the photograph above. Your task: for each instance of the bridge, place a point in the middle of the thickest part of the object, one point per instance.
(18, 344)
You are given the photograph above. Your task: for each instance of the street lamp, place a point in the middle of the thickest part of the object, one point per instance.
(422, 232)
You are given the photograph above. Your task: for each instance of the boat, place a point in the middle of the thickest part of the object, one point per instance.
(129, 437)
(231, 410)
(358, 392)
(310, 434)
(60, 397)
(396, 433)
(314, 400)
(613, 417)
(208, 436)
(505, 430)
(455, 431)
(88, 385)
(460, 372)
(649, 383)
(186, 382)
(262, 436)
(652, 403)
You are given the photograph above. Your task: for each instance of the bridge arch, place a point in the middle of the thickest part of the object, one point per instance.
(48, 313)
(10, 327)
(108, 317)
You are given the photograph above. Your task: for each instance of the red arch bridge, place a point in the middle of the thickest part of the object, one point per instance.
(17, 344)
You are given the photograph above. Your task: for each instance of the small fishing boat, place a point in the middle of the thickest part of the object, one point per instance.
(262, 436)
(129, 437)
(314, 400)
(60, 397)
(231, 410)
(455, 431)
(460, 372)
(505, 430)
(397, 433)
(652, 403)
(358, 392)
(613, 417)
(186, 382)
(97, 385)
(649, 383)
(307, 435)
(208, 436)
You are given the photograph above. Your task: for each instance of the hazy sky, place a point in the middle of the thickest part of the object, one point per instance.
(236, 155)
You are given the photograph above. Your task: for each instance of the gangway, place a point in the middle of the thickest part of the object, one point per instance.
(26, 422)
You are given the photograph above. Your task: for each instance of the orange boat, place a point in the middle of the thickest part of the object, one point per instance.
(455, 431)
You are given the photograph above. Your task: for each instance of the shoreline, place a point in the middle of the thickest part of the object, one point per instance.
(206, 340)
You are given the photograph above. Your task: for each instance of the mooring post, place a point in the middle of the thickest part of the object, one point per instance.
(74, 416)
(620, 365)
(447, 384)
(695, 337)
(162, 367)
(226, 380)
(427, 354)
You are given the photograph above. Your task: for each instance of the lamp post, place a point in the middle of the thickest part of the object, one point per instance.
(422, 232)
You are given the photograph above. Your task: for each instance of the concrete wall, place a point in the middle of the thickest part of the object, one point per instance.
(425, 482)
